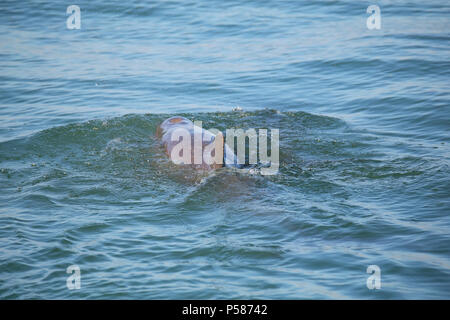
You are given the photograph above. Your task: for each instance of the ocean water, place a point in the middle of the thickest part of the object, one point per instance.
(364, 150)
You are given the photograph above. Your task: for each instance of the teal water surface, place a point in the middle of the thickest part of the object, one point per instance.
(364, 150)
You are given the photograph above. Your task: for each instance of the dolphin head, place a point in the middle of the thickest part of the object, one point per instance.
(170, 123)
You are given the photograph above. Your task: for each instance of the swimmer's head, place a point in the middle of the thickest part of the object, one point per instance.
(172, 122)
